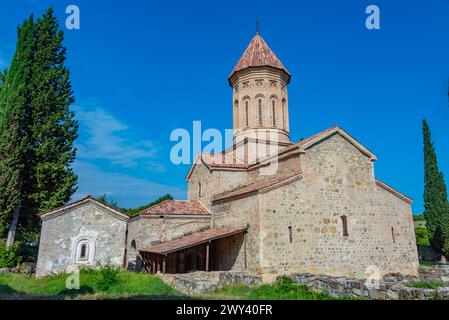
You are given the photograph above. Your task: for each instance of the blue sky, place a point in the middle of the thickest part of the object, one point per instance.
(138, 66)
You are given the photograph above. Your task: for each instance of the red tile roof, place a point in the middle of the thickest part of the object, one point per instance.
(194, 239)
(177, 207)
(258, 54)
(393, 191)
(242, 191)
(221, 160)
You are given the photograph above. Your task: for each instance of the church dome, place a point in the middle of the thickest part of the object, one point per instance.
(259, 54)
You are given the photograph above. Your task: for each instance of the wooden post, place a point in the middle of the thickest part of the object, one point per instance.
(146, 266)
(177, 261)
(153, 268)
(164, 264)
(207, 256)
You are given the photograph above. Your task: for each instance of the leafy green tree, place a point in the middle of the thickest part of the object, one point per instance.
(109, 202)
(435, 198)
(132, 211)
(135, 211)
(53, 128)
(422, 238)
(14, 137)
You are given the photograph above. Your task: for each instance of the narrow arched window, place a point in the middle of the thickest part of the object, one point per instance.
(237, 113)
(273, 112)
(133, 244)
(199, 189)
(283, 114)
(83, 252)
(247, 113)
(393, 235)
(260, 112)
(344, 222)
(290, 234)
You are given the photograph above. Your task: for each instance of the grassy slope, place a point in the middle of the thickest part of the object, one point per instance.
(138, 286)
(130, 285)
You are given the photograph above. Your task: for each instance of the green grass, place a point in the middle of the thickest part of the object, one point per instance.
(141, 286)
(269, 292)
(428, 264)
(427, 284)
(129, 286)
(284, 289)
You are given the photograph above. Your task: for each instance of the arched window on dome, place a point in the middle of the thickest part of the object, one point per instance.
(236, 103)
(273, 112)
(247, 113)
(260, 113)
(284, 112)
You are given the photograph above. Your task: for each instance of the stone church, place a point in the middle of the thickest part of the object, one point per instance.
(266, 205)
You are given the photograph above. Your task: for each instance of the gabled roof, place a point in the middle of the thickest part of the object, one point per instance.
(398, 194)
(227, 161)
(177, 208)
(323, 135)
(257, 187)
(259, 54)
(89, 199)
(222, 160)
(217, 161)
(193, 240)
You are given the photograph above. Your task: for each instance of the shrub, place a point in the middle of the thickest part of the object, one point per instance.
(419, 217)
(422, 237)
(108, 277)
(9, 257)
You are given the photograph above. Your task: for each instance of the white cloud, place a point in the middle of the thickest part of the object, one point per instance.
(127, 190)
(103, 137)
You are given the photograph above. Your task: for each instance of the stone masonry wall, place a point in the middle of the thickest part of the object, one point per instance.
(242, 212)
(61, 234)
(338, 180)
(212, 182)
(144, 232)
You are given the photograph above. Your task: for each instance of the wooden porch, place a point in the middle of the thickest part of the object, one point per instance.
(196, 252)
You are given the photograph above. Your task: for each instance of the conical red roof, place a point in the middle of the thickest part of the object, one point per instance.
(258, 54)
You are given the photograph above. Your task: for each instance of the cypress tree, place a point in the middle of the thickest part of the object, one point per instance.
(435, 198)
(3, 74)
(53, 128)
(14, 122)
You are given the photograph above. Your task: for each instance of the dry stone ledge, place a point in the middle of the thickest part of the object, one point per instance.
(203, 282)
(392, 287)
